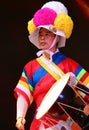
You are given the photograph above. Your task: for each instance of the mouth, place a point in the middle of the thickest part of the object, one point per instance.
(43, 43)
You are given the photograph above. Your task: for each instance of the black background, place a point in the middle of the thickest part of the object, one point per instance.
(16, 50)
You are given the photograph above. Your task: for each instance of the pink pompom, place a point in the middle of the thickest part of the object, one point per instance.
(44, 16)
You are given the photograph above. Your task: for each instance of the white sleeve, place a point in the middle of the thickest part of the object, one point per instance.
(22, 107)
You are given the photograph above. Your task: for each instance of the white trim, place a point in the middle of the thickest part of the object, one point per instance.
(48, 63)
(21, 87)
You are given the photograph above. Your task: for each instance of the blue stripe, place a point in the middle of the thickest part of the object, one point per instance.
(28, 79)
(58, 57)
(79, 68)
(40, 73)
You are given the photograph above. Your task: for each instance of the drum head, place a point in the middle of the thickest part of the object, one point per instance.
(52, 96)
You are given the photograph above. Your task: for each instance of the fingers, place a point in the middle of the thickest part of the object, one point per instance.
(19, 126)
(20, 123)
(72, 79)
(86, 109)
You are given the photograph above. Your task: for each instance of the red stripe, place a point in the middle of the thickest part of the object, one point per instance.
(84, 77)
(23, 79)
(17, 90)
(86, 98)
(31, 67)
(68, 65)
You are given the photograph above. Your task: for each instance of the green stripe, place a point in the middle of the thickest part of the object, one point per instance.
(81, 73)
(23, 74)
(31, 88)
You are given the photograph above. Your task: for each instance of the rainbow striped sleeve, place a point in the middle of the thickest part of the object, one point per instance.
(82, 75)
(24, 87)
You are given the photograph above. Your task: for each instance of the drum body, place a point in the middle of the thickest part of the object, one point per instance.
(67, 97)
(52, 107)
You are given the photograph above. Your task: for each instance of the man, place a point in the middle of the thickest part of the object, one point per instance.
(49, 29)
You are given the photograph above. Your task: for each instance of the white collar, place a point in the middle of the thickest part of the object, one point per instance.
(39, 53)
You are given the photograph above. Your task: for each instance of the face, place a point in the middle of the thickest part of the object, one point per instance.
(45, 38)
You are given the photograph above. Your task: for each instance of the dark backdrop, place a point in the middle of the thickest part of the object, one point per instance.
(16, 50)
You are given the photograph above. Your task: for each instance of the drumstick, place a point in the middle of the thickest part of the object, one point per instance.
(78, 95)
(69, 106)
(84, 88)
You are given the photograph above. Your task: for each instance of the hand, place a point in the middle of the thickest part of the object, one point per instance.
(20, 123)
(86, 109)
(75, 126)
(72, 79)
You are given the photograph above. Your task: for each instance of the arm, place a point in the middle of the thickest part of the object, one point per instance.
(22, 107)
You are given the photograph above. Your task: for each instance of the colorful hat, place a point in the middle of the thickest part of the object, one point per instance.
(53, 16)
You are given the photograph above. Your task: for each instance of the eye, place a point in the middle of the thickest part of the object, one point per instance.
(47, 34)
(40, 35)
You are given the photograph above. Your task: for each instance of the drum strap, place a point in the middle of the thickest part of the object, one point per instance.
(50, 67)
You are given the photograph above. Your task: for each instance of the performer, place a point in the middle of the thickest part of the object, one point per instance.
(48, 30)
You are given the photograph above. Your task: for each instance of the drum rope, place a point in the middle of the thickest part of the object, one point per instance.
(78, 94)
(82, 90)
(50, 121)
(59, 103)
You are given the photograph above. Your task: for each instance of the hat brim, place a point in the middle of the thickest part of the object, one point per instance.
(34, 36)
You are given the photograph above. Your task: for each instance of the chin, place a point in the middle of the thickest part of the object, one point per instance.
(43, 48)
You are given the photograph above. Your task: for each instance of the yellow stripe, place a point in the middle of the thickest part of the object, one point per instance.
(31, 99)
(55, 66)
(24, 84)
(86, 81)
(48, 69)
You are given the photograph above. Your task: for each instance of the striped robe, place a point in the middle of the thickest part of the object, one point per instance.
(35, 81)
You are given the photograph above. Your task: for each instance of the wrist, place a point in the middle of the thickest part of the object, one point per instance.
(21, 119)
(20, 122)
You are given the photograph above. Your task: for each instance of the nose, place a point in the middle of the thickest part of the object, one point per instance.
(42, 37)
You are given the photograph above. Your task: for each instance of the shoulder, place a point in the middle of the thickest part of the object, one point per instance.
(30, 63)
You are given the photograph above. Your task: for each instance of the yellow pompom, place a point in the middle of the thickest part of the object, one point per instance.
(31, 27)
(64, 23)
